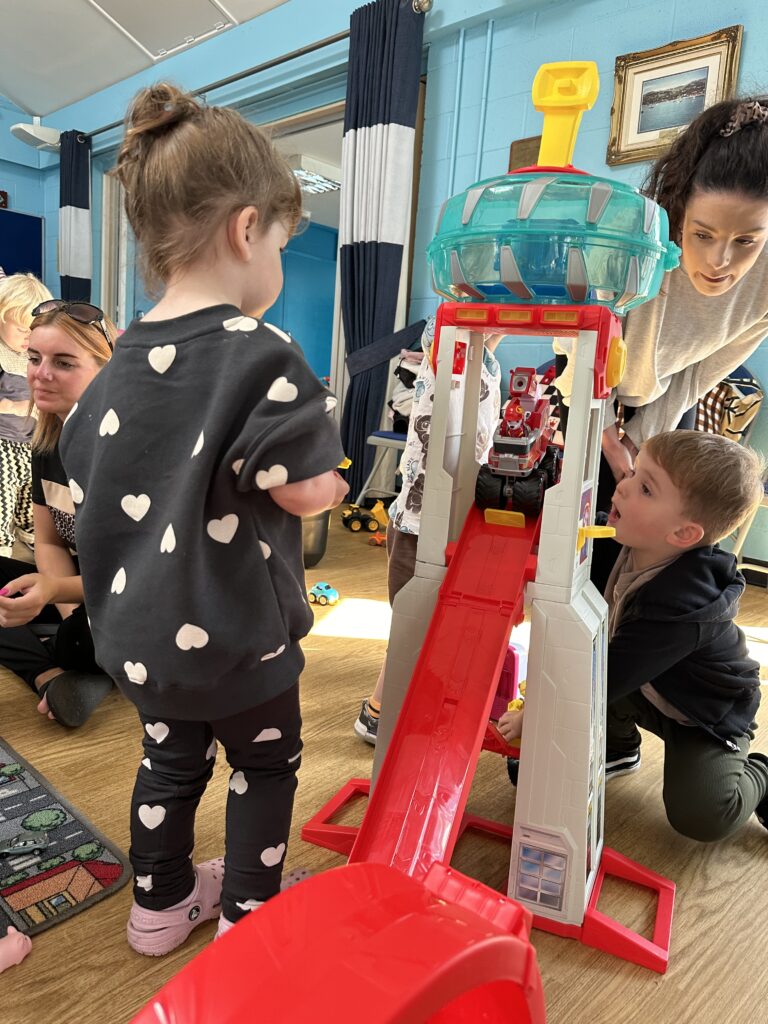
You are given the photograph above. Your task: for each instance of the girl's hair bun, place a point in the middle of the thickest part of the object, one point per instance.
(186, 168)
(158, 108)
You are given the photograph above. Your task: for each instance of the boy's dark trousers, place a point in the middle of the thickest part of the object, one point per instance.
(709, 790)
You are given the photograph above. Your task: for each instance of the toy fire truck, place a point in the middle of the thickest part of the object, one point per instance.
(524, 460)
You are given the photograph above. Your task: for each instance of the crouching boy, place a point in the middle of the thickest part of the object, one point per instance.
(678, 664)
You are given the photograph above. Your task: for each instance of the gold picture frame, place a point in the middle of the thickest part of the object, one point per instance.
(657, 93)
(524, 152)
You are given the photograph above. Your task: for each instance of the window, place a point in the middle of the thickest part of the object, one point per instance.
(541, 877)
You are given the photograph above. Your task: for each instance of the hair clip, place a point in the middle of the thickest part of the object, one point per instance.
(744, 114)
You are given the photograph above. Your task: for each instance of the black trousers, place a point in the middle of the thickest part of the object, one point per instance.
(46, 642)
(263, 748)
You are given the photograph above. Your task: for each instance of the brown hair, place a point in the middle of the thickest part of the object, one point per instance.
(186, 168)
(725, 149)
(720, 482)
(93, 342)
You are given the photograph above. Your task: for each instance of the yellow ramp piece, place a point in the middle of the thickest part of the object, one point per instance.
(500, 517)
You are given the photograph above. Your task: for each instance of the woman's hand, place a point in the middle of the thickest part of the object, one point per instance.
(619, 453)
(36, 592)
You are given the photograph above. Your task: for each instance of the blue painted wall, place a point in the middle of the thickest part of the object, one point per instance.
(20, 174)
(305, 305)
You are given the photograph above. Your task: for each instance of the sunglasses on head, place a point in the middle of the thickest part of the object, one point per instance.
(81, 312)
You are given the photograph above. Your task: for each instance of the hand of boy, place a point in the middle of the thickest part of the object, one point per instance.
(510, 725)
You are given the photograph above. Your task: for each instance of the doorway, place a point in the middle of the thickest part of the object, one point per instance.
(311, 142)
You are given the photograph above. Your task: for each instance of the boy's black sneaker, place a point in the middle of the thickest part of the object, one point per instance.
(621, 764)
(366, 725)
(615, 764)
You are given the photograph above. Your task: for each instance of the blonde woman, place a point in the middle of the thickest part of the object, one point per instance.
(46, 637)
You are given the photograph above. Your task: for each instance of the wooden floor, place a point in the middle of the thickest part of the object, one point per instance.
(82, 971)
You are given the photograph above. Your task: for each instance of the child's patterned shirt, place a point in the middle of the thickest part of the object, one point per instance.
(193, 575)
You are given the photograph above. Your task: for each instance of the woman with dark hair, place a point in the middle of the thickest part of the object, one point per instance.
(46, 636)
(712, 311)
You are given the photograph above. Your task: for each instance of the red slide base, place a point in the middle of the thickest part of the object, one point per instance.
(603, 933)
(365, 942)
(321, 831)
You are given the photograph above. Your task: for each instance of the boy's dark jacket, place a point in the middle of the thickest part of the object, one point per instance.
(678, 633)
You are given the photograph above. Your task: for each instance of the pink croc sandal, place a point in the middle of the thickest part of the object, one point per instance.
(157, 932)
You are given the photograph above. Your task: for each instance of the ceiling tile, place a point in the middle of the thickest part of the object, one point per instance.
(167, 26)
(56, 53)
(243, 10)
(57, 60)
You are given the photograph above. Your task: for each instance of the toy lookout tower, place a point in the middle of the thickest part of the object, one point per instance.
(546, 250)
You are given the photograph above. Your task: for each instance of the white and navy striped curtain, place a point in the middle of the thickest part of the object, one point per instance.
(377, 169)
(75, 216)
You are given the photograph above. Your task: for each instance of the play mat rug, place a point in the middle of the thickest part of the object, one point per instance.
(53, 863)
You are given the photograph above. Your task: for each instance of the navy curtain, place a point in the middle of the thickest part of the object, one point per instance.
(75, 216)
(377, 168)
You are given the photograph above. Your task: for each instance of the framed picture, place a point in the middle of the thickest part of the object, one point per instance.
(524, 152)
(657, 93)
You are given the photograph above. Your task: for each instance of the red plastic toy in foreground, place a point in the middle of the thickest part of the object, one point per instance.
(447, 950)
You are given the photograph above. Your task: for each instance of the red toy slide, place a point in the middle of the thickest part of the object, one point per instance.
(414, 815)
(365, 943)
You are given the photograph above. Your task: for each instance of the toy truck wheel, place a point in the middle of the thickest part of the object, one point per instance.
(550, 465)
(355, 525)
(312, 598)
(489, 490)
(372, 526)
(322, 599)
(528, 494)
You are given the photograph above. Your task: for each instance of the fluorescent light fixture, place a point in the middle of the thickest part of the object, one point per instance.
(315, 176)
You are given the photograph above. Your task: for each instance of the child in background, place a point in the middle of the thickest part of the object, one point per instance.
(19, 295)
(196, 450)
(678, 665)
(405, 510)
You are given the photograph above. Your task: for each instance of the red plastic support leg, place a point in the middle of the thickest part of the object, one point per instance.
(320, 831)
(601, 932)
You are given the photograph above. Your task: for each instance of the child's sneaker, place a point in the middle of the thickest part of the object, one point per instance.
(157, 932)
(367, 725)
(621, 764)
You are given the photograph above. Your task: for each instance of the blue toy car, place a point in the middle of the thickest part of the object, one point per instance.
(323, 593)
